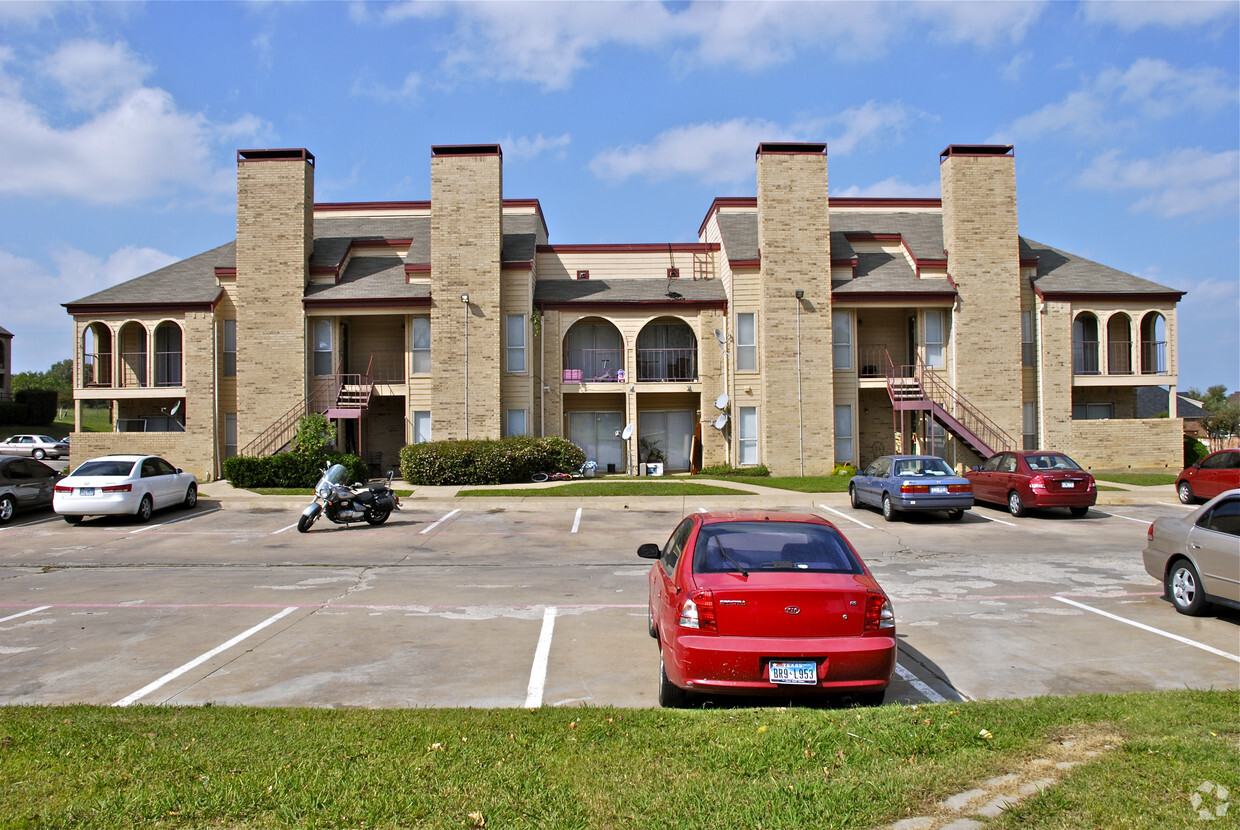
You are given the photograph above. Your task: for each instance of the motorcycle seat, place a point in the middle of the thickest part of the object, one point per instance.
(365, 496)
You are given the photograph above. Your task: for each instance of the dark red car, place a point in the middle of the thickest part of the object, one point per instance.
(1034, 479)
(767, 604)
(1217, 472)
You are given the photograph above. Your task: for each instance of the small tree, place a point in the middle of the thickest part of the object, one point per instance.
(314, 435)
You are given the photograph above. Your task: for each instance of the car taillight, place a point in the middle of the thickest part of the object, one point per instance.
(1089, 482)
(1038, 482)
(1149, 534)
(960, 488)
(698, 611)
(116, 488)
(63, 488)
(878, 612)
(914, 488)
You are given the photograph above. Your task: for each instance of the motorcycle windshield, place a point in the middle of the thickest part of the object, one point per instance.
(336, 474)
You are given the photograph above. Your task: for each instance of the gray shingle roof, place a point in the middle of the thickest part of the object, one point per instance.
(887, 273)
(1060, 272)
(922, 232)
(740, 235)
(627, 291)
(371, 278)
(188, 281)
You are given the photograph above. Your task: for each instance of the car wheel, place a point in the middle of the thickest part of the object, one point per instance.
(671, 696)
(889, 510)
(73, 519)
(852, 497)
(955, 515)
(191, 497)
(1079, 511)
(39, 454)
(650, 629)
(145, 508)
(1183, 587)
(1015, 506)
(1185, 492)
(378, 517)
(7, 507)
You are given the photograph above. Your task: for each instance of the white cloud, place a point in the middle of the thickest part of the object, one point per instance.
(891, 188)
(1176, 183)
(409, 90)
(133, 143)
(43, 331)
(983, 24)
(528, 148)
(710, 153)
(1173, 14)
(866, 124)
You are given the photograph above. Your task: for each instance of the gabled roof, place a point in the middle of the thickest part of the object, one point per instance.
(370, 280)
(1066, 275)
(596, 292)
(188, 282)
(5, 332)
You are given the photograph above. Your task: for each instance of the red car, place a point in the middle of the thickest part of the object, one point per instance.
(767, 604)
(1214, 474)
(1032, 479)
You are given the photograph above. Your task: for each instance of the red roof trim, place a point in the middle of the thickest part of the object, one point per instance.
(791, 148)
(976, 151)
(1104, 297)
(745, 263)
(727, 202)
(892, 297)
(367, 302)
(417, 268)
(285, 154)
(620, 306)
(225, 272)
(879, 201)
(330, 207)
(448, 150)
(136, 308)
(639, 248)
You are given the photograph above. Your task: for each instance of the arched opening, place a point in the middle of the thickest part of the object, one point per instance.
(1085, 344)
(1153, 344)
(667, 352)
(132, 342)
(97, 355)
(593, 352)
(168, 354)
(1119, 345)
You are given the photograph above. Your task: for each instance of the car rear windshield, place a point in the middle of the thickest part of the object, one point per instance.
(915, 467)
(765, 546)
(104, 468)
(1051, 462)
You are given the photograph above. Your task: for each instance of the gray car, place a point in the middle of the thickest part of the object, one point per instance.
(899, 483)
(1197, 557)
(24, 483)
(34, 446)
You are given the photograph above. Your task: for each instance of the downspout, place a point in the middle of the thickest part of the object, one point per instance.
(215, 397)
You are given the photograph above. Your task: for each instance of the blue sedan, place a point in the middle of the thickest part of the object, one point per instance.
(898, 483)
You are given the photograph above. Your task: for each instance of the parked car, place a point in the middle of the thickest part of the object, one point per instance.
(1210, 476)
(897, 483)
(1197, 557)
(34, 446)
(767, 604)
(24, 483)
(1024, 480)
(122, 485)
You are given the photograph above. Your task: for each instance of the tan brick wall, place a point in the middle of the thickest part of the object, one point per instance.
(980, 232)
(275, 226)
(795, 242)
(1055, 372)
(466, 239)
(1141, 445)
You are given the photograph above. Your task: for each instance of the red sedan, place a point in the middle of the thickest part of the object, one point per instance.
(1031, 479)
(767, 604)
(1214, 474)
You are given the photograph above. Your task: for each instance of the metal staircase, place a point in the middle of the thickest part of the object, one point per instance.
(339, 395)
(918, 387)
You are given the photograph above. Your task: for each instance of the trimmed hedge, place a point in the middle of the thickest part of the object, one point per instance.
(1194, 451)
(288, 469)
(506, 461)
(724, 471)
(30, 408)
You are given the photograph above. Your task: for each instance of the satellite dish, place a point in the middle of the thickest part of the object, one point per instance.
(626, 433)
(176, 408)
(720, 336)
(721, 402)
(720, 422)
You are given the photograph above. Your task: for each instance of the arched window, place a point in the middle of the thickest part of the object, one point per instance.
(97, 355)
(1085, 344)
(593, 352)
(667, 351)
(1153, 344)
(1119, 344)
(168, 354)
(132, 340)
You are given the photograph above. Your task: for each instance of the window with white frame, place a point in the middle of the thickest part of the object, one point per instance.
(322, 347)
(514, 422)
(516, 342)
(1029, 426)
(935, 339)
(420, 345)
(844, 433)
(421, 426)
(1027, 348)
(230, 349)
(230, 434)
(747, 435)
(747, 342)
(841, 338)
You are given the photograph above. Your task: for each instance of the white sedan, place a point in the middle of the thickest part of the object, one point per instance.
(134, 485)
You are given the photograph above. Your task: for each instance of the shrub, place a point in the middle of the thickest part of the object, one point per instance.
(508, 460)
(726, 471)
(288, 469)
(1194, 451)
(29, 408)
(845, 469)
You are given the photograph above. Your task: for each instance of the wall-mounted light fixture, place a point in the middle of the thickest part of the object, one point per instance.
(465, 298)
(800, 294)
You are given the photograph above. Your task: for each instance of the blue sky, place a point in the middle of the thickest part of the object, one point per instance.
(119, 124)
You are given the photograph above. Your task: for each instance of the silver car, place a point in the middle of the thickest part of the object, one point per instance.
(24, 483)
(34, 446)
(1197, 557)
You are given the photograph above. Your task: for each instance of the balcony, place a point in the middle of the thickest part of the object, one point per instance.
(594, 366)
(667, 365)
(1085, 357)
(1154, 357)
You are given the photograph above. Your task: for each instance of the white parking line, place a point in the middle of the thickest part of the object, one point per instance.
(24, 613)
(990, 519)
(1150, 629)
(431, 527)
(845, 516)
(29, 524)
(174, 521)
(929, 694)
(281, 530)
(577, 520)
(538, 672)
(202, 658)
(1118, 516)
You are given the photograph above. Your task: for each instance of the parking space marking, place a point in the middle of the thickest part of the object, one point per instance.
(991, 519)
(431, 527)
(577, 520)
(538, 672)
(174, 521)
(29, 524)
(281, 530)
(1149, 628)
(202, 658)
(913, 680)
(845, 516)
(24, 613)
(1118, 516)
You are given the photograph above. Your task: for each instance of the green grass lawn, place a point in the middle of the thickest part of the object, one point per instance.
(805, 484)
(240, 767)
(1138, 479)
(93, 420)
(661, 487)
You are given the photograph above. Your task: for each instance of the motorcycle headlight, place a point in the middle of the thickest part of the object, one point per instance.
(323, 490)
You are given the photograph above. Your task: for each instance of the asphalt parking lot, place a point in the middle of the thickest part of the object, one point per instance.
(532, 602)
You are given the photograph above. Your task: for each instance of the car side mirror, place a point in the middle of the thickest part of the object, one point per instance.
(650, 551)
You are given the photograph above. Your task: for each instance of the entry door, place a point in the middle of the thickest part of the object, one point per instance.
(595, 432)
(674, 433)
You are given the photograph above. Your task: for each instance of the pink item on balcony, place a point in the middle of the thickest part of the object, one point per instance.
(572, 376)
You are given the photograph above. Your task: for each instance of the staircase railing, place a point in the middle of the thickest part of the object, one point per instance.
(284, 428)
(921, 383)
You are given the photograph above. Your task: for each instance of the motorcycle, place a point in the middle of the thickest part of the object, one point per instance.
(344, 504)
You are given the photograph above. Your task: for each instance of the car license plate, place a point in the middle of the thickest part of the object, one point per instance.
(783, 671)
(86, 491)
(1067, 485)
(939, 490)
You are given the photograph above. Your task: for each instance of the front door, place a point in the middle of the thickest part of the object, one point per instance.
(598, 434)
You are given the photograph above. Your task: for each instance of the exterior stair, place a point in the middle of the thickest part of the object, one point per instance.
(918, 387)
(337, 396)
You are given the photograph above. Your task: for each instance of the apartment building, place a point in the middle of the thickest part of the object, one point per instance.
(6, 371)
(798, 331)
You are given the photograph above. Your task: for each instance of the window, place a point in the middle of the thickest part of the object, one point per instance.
(841, 337)
(1027, 349)
(230, 434)
(747, 342)
(420, 345)
(516, 342)
(937, 438)
(1092, 411)
(322, 347)
(230, 348)
(421, 427)
(1029, 426)
(934, 339)
(514, 422)
(843, 433)
(748, 435)
(1224, 517)
(168, 355)
(675, 546)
